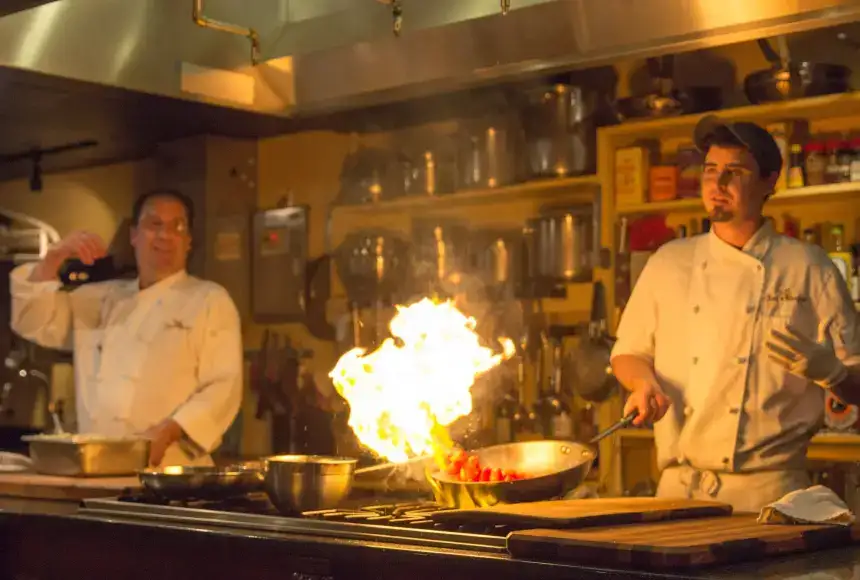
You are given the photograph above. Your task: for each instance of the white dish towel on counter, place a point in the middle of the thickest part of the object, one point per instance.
(814, 505)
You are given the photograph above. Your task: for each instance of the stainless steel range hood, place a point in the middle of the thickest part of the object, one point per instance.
(10, 6)
(322, 56)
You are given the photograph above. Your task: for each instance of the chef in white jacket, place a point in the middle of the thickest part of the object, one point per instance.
(160, 355)
(730, 424)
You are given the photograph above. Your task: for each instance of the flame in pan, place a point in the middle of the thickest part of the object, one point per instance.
(404, 391)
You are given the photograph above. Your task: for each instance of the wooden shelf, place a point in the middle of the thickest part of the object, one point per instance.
(813, 192)
(828, 106)
(547, 189)
(835, 447)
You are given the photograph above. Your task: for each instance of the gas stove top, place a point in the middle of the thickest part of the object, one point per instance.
(389, 519)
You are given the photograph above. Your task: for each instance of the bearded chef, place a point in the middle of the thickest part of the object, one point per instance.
(160, 355)
(730, 424)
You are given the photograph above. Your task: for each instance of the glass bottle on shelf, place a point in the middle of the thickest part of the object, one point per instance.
(521, 420)
(557, 416)
(504, 418)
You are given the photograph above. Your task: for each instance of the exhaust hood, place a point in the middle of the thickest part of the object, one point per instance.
(126, 74)
(10, 6)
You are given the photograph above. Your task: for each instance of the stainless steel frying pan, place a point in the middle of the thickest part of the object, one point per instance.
(212, 483)
(560, 466)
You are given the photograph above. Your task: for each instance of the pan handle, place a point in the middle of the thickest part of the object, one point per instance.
(769, 53)
(625, 422)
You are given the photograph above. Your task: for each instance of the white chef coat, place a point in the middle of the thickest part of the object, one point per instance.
(172, 350)
(702, 311)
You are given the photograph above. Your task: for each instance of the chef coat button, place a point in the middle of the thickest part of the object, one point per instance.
(695, 359)
(734, 410)
(750, 309)
(742, 359)
(758, 267)
(726, 460)
(696, 309)
(688, 411)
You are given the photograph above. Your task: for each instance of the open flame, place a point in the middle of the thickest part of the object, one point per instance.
(401, 393)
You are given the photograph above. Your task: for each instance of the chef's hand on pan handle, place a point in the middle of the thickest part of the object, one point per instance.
(649, 399)
(814, 360)
(85, 246)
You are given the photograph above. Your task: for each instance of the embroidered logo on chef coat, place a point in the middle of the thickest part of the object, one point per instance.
(178, 324)
(786, 295)
(784, 302)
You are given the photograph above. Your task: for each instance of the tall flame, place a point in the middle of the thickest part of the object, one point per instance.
(401, 393)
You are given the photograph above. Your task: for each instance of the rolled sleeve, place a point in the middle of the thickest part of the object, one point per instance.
(209, 412)
(40, 312)
(637, 328)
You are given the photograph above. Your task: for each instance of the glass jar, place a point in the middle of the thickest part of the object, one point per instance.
(816, 163)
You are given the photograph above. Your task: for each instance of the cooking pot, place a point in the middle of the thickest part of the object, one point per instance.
(489, 154)
(666, 100)
(496, 260)
(788, 79)
(440, 255)
(560, 130)
(372, 265)
(563, 244)
(369, 175)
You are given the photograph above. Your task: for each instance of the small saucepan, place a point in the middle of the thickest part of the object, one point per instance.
(556, 468)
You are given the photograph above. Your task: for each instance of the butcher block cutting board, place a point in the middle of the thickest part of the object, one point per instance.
(674, 544)
(580, 513)
(35, 486)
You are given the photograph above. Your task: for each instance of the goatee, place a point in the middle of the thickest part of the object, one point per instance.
(721, 215)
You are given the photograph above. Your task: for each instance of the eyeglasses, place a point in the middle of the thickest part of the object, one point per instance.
(175, 227)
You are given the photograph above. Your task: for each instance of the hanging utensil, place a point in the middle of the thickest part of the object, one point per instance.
(590, 362)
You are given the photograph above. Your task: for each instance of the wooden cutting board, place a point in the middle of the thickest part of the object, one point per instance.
(35, 486)
(687, 543)
(579, 513)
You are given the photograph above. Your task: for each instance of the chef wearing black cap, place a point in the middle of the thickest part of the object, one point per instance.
(730, 424)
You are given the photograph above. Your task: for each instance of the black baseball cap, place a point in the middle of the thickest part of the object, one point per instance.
(756, 139)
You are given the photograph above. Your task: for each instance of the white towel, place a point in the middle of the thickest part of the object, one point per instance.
(815, 505)
(13, 462)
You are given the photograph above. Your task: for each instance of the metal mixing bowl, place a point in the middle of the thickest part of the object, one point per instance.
(298, 483)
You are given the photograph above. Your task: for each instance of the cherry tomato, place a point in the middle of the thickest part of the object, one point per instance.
(457, 455)
(453, 469)
(485, 474)
(508, 477)
(496, 474)
(469, 474)
(473, 461)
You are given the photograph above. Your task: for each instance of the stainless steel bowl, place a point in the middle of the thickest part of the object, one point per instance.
(298, 483)
(187, 482)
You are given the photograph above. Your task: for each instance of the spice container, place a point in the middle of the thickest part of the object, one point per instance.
(855, 160)
(839, 158)
(815, 163)
(663, 185)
